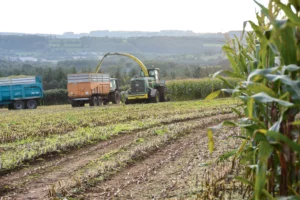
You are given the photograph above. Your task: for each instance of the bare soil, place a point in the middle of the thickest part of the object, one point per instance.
(33, 182)
(173, 172)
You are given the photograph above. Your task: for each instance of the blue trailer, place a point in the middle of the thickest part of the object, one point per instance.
(21, 92)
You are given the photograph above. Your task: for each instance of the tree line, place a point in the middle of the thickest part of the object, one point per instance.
(54, 76)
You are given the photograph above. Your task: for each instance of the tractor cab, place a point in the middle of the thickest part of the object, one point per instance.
(153, 72)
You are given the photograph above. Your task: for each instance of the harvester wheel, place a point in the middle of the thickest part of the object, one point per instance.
(18, 105)
(116, 97)
(127, 101)
(162, 97)
(156, 98)
(31, 104)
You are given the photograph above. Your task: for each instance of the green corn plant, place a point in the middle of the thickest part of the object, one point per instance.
(269, 64)
(191, 89)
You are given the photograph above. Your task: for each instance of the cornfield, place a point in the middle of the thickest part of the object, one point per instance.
(189, 89)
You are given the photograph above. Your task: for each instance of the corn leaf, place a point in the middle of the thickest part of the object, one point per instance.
(280, 137)
(267, 194)
(262, 72)
(264, 98)
(288, 11)
(287, 47)
(264, 152)
(256, 28)
(288, 198)
(213, 95)
(243, 180)
(227, 155)
(295, 85)
(210, 140)
(217, 73)
(274, 49)
(264, 10)
(230, 91)
(259, 87)
(290, 68)
(250, 104)
(232, 74)
(225, 82)
(237, 112)
(276, 125)
(296, 122)
(240, 149)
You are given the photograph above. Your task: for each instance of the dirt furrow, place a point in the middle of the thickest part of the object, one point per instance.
(171, 171)
(58, 169)
(34, 182)
(43, 163)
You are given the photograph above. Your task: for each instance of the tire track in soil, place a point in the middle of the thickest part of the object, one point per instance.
(39, 177)
(33, 182)
(152, 178)
(55, 159)
(40, 163)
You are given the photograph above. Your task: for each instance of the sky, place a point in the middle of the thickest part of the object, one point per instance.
(83, 16)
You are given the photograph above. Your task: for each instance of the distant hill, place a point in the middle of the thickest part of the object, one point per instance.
(54, 48)
(127, 34)
(167, 45)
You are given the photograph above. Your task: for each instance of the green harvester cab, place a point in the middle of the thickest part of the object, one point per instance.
(147, 88)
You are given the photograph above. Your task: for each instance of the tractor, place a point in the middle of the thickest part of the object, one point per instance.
(146, 89)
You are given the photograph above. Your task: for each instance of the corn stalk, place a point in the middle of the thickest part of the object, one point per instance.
(269, 64)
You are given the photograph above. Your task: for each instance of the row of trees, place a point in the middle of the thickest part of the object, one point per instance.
(55, 75)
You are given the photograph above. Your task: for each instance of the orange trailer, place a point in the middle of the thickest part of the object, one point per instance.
(92, 88)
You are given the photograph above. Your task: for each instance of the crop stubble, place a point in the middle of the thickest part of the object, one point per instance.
(89, 167)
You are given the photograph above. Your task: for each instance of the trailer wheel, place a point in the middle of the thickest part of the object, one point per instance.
(99, 101)
(93, 101)
(31, 104)
(10, 106)
(18, 105)
(74, 104)
(116, 97)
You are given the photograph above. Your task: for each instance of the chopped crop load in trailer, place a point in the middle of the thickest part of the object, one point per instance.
(93, 88)
(21, 92)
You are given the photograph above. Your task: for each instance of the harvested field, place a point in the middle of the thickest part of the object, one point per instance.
(149, 151)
